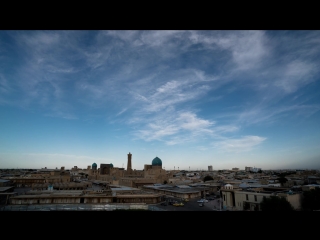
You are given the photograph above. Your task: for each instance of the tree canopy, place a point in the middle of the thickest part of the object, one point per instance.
(311, 200)
(274, 203)
(282, 180)
(207, 178)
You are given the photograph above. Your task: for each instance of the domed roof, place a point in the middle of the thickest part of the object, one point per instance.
(156, 162)
(111, 165)
(94, 164)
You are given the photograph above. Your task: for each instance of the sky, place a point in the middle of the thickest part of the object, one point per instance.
(227, 98)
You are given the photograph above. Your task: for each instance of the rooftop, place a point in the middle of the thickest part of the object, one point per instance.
(183, 189)
(2, 189)
(4, 180)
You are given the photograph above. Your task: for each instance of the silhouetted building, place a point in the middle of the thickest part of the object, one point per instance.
(105, 168)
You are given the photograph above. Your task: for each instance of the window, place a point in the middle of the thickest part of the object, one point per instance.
(255, 197)
(247, 197)
(224, 197)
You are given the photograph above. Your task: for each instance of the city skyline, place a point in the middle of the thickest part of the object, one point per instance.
(228, 99)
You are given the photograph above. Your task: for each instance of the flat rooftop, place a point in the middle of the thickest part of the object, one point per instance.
(121, 188)
(4, 180)
(183, 189)
(2, 189)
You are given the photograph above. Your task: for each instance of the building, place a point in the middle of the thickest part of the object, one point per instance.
(313, 180)
(155, 171)
(178, 191)
(5, 193)
(110, 195)
(255, 169)
(5, 183)
(152, 173)
(239, 199)
(105, 168)
(210, 168)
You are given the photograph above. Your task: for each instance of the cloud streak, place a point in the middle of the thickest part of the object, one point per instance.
(159, 82)
(238, 145)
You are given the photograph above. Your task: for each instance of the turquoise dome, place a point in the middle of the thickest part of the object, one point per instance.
(156, 162)
(94, 165)
(111, 165)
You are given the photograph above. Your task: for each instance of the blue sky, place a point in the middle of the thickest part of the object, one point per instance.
(192, 98)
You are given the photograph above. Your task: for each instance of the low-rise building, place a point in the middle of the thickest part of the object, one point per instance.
(120, 195)
(5, 182)
(179, 191)
(237, 199)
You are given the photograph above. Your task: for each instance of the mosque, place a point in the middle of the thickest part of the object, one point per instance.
(151, 174)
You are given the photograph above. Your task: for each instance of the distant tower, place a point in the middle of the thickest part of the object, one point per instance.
(129, 168)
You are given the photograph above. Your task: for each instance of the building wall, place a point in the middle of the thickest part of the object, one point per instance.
(105, 168)
(155, 172)
(6, 183)
(117, 173)
(240, 198)
(294, 200)
(126, 182)
(184, 195)
(134, 182)
(86, 199)
(227, 199)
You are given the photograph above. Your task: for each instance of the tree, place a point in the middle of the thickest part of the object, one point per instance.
(274, 203)
(282, 180)
(207, 178)
(260, 171)
(311, 200)
(246, 206)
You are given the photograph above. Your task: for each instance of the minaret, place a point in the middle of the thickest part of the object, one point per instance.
(129, 168)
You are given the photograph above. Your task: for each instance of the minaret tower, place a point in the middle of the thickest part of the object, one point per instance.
(129, 167)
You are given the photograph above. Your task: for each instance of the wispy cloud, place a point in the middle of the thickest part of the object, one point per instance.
(295, 75)
(237, 145)
(179, 127)
(247, 48)
(266, 115)
(185, 86)
(122, 111)
(158, 77)
(4, 85)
